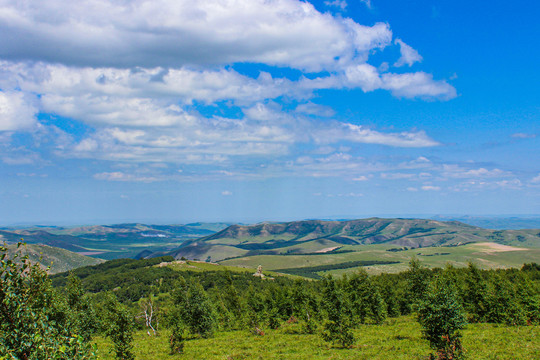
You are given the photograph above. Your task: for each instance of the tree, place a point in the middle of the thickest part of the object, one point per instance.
(417, 283)
(442, 317)
(503, 305)
(193, 308)
(365, 298)
(83, 314)
(476, 294)
(337, 327)
(34, 319)
(120, 328)
(150, 312)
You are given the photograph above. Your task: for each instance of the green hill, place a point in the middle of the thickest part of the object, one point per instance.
(59, 260)
(317, 236)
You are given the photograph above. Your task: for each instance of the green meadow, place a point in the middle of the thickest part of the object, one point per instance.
(397, 338)
(484, 255)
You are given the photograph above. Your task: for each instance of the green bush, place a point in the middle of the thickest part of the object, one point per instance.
(35, 321)
(441, 316)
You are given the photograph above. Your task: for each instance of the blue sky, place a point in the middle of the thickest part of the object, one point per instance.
(252, 110)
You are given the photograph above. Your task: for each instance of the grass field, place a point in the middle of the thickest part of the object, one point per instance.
(397, 339)
(485, 255)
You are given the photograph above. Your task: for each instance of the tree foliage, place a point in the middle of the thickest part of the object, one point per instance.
(35, 321)
(442, 317)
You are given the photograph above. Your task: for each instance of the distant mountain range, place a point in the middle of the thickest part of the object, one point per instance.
(312, 236)
(111, 241)
(315, 246)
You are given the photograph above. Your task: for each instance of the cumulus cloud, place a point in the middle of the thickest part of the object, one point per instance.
(408, 55)
(173, 33)
(155, 81)
(355, 133)
(430, 188)
(16, 112)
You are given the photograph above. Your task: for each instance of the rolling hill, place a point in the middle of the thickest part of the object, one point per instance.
(313, 248)
(317, 236)
(59, 260)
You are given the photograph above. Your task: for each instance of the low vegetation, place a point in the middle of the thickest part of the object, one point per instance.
(148, 309)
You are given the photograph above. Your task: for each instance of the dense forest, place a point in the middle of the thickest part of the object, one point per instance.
(58, 317)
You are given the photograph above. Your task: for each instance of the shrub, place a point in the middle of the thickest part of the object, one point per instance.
(35, 321)
(441, 316)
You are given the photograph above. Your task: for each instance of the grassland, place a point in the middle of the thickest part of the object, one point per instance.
(485, 255)
(397, 339)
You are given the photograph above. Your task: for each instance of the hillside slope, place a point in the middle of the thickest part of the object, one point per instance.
(59, 260)
(317, 236)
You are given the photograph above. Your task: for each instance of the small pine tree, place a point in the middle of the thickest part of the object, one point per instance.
(177, 338)
(475, 294)
(504, 306)
(337, 328)
(417, 283)
(441, 316)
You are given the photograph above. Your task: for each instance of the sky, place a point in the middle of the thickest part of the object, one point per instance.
(174, 111)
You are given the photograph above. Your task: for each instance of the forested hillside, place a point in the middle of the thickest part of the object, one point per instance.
(186, 304)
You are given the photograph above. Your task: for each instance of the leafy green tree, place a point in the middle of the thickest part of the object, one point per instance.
(338, 325)
(442, 317)
(83, 313)
(120, 328)
(34, 319)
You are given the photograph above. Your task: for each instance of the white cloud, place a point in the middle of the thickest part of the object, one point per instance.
(315, 109)
(342, 4)
(457, 172)
(536, 179)
(16, 112)
(130, 73)
(408, 55)
(121, 176)
(523, 136)
(430, 188)
(334, 132)
(361, 178)
(397, 176)
(417, 85)
(163, 32)
(226, 193)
